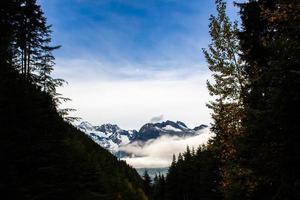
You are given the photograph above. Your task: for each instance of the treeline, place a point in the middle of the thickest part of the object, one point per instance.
(255, 111)
(193, 175)
(42, 156)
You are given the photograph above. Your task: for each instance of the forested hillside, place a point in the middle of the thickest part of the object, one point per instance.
(43, 156)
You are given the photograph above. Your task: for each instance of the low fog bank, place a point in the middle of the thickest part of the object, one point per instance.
(158, 152)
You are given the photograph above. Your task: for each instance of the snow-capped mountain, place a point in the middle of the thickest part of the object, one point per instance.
(111, 136)
(152, 131)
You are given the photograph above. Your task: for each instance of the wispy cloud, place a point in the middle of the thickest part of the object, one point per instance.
(101, 97)
(79, 69)
(157, 119)
(158, 152)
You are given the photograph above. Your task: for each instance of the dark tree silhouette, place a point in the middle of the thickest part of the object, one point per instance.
(41, 155)
(147, 183)
(270, 42)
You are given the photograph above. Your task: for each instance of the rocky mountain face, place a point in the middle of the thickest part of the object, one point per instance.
(152, 131)
(111, 136)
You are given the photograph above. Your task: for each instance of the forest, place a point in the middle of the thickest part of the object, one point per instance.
(255, 151)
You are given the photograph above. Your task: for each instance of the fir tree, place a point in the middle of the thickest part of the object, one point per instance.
(223, 58)
(26, 46)
(147, 183)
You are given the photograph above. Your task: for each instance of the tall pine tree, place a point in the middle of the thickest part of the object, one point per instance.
(223, 58)
(26, 47)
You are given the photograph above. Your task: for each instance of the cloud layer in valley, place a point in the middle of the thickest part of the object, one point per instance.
(158, 153)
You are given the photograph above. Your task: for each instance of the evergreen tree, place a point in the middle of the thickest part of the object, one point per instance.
(187, 154)
(8, 26)
(270, 42)
(162, 185)
(193, 178)
(26, 47)
(27, 39)
(180, 158)
(147, 183)
(159, 183)
(45, 66)
(155, 188)
(31, 27)
(223, 58)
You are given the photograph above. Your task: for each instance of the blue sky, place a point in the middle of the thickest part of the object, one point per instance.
(129, 49)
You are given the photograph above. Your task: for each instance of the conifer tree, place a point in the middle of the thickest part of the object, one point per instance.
(187, 154)
(147, 183)
(180, 158)
(8, 26)
(26, 46)
(45, 63)
(223, 58)
(193, 178)
(270, 42)
(31, 26)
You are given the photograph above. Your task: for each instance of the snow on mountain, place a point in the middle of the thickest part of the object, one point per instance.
(109, 136)
(112, 137)
(171, 128)
(155, 130)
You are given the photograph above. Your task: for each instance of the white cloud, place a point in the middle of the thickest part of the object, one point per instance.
(158, 152)
(157, 119)
(130, 100)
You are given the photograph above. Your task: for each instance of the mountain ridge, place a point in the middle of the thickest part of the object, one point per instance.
(111, 136)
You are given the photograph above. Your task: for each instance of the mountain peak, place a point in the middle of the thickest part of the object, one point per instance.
(181, 124)
(108, 128)
(86, 126)
(202, 126)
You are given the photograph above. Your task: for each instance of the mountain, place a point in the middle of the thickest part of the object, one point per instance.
(111, 136)
(153, 131)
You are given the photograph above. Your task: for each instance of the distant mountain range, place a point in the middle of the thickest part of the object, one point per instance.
(111, 136)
